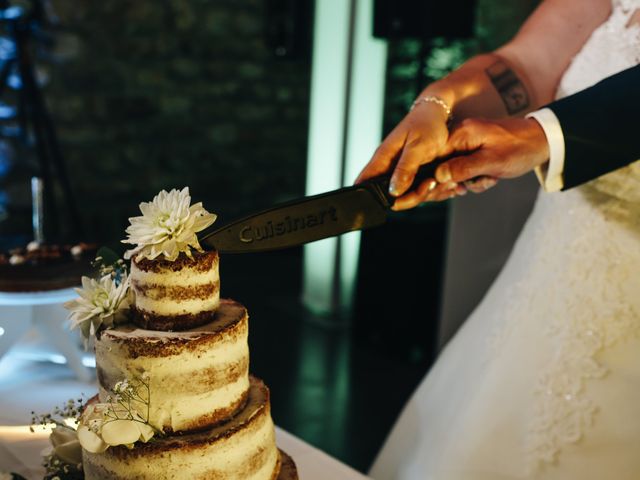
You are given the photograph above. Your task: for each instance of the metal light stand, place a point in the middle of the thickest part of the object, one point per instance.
(34, 125)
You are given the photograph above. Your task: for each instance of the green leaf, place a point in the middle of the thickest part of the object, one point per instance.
(107, 256)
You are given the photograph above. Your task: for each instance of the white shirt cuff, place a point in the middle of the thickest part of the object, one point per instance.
(550, 174)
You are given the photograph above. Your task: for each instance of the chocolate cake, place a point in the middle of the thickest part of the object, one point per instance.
(45, 267)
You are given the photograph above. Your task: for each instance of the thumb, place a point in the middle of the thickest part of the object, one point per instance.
(465, 167)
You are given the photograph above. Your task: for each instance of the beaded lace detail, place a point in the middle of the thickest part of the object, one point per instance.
(588, 313)
(588, 306)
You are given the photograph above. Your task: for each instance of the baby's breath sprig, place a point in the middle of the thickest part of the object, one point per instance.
(64, 459)
(56, 469)
(60, 416)
(107, 262)
(123, 417)
(128, 396)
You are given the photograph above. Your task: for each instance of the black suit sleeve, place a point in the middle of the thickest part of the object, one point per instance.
(601, 127)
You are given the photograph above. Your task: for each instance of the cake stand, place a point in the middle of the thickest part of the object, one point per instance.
(19, 311)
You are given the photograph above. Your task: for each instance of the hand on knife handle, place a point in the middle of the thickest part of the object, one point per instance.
(423, 183)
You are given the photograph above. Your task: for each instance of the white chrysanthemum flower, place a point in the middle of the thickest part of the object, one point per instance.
(100, 303)
(168, 226)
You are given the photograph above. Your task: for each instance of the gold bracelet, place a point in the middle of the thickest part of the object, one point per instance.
(436, 100)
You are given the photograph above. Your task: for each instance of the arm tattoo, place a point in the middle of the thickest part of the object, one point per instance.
(509, 86)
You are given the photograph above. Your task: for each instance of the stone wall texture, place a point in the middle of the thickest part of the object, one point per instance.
(165, 94)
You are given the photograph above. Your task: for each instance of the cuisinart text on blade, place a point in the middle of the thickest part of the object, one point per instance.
(250, 233)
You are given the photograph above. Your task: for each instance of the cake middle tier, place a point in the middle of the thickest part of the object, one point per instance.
(197, 377)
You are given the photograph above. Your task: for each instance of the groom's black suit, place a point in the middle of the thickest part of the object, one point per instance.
(601, 127)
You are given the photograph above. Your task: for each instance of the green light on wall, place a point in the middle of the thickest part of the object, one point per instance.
(345, 124)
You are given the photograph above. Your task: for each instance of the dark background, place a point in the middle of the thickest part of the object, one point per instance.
(214, 95)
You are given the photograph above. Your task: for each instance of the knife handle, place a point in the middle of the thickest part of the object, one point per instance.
(428, 170)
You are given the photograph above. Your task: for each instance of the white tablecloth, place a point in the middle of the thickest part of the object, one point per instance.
(20, 452)
(314, 464)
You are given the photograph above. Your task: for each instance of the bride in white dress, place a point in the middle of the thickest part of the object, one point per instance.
(543, 380)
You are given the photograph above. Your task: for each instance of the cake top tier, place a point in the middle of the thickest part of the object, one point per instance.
(167, 227)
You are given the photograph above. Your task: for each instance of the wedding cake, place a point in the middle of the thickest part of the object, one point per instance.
(175, 398)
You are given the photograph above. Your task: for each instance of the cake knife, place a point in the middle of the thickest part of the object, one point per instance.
(311, 218)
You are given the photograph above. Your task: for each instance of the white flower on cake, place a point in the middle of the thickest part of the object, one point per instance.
(118, 421)
(168, 226)
(108, 424)
(101, 303)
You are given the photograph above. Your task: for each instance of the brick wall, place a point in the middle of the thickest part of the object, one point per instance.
(162, 94)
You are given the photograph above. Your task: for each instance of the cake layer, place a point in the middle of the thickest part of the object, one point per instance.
(175, 295)
(288, 469)
(243, 448)
(197, 377)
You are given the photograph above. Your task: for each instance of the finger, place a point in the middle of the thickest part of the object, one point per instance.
(445, 194)
(380, 163)
(467, 136)
(465, 167)
(415, 153)
(441, 196)
(481, 184)
(384, 156)
(461, 189)
(440, 193)
(415, 197)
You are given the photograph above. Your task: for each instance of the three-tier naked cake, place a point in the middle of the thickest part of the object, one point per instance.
(176, 400)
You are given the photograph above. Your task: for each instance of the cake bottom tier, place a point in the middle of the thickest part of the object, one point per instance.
(242, 448)
(288, 470)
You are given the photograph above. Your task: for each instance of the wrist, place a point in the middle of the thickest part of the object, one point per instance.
(434, 100)
(442, 89)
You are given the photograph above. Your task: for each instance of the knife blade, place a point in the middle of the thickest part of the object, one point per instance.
(311, 218)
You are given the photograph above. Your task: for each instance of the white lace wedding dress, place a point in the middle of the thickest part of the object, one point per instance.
(543, 380)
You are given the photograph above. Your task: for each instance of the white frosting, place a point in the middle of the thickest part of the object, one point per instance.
(181, 386)
(150, 288)
(183, 277)
(173, 307)
(183, 409)
(154, 336)
(178, 410)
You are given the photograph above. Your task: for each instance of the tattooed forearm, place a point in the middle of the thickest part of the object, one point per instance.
(509, 86)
